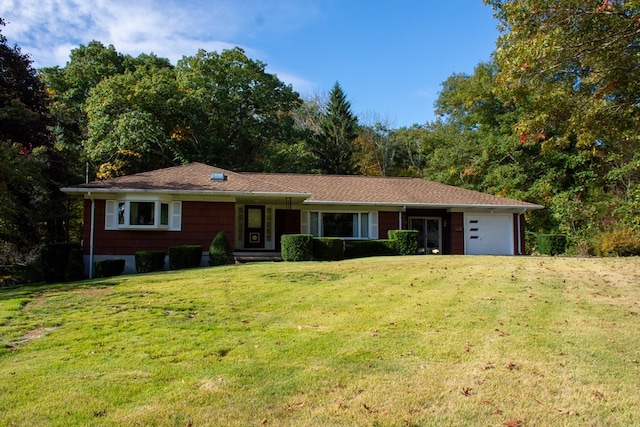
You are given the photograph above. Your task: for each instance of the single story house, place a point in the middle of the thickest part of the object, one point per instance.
(190, 204)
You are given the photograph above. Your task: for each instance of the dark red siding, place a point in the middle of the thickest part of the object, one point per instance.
(386, 221)
(518, 235)
(456, 233)
(201, 221)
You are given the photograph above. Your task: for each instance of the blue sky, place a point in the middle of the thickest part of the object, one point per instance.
(389, 56)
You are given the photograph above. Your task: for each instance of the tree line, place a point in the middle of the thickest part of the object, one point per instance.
(552, 118)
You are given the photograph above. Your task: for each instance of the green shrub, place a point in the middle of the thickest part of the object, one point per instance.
(148, 261)
(54, 259)
(552, 244)
(328, 249)
(108, 267)
(616, 243)
(185, 256)
(367, 248)
(405, 241)
(220, 252)
(75, 266)
(297, 247)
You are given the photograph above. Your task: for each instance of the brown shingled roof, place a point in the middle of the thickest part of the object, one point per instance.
(329, 189)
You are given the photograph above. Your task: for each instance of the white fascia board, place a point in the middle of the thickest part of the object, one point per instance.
(87, 191)
(424, 205)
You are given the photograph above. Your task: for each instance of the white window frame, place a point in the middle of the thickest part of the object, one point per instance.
(308, 225)
(114, 220)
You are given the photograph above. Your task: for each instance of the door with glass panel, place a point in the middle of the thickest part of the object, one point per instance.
(429, 234)
(254, 233)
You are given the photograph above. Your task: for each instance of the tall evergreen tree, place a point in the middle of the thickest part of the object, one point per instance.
(335, 145)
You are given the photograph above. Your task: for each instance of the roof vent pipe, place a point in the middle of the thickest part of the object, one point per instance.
(218, 176)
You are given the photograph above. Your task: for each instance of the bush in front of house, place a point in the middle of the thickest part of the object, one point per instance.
(220, 252)
(367, 248)
(185, 256)
(405, 241)
(54, 258)
(297, 247)
(552, 244)
(148, 261)
(74, 269)
(108, 267)
(328, 249)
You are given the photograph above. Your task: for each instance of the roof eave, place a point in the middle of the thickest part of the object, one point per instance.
(424, 205)
(88, 191)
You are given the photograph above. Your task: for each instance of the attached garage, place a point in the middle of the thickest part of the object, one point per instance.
(489, 234)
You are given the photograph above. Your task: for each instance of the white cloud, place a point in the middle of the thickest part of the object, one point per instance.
(49, 29)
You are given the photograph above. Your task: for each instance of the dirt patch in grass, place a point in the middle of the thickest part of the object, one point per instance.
(30, 336)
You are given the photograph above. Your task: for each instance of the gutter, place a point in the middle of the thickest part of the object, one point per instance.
(72, 190)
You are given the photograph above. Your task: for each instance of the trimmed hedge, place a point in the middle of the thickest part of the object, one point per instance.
(185, 256)
(552, 244)
(220, 252)
(108, 267)
(405, 241)
(297, 247)
(54, 259)
(367, 248)
(328, 249)
(148, 261)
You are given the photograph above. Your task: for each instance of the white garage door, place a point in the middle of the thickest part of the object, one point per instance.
(488, 234)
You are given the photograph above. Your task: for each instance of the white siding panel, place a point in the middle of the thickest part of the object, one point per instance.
(488, 234)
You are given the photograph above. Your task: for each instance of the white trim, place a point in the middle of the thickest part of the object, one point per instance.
(110, 214)
(373, 225)
(175, 216)
(305, 222)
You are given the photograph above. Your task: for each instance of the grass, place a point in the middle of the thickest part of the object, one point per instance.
(403, 341)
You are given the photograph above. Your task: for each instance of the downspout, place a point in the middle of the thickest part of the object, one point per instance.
(91, 234)
(520, 231)
(404, 209)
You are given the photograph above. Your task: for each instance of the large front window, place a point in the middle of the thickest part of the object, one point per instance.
(142, 214)
(340, 224)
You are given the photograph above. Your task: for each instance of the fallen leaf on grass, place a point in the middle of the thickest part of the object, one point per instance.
(512, 366)
(598, 395)
(291, 406)
(512, 423)
(487, 366)
(466, 391)
(566, 411)
(369, 409)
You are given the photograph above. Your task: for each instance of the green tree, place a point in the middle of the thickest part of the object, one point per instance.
(237, 110)
(132, 118)
(334, 145)
(28, 178)
(573, 70)
(68, 88)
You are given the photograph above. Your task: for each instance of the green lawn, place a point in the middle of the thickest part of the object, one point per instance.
(402, 341)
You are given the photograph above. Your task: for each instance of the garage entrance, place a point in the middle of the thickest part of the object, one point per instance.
(489, 234)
